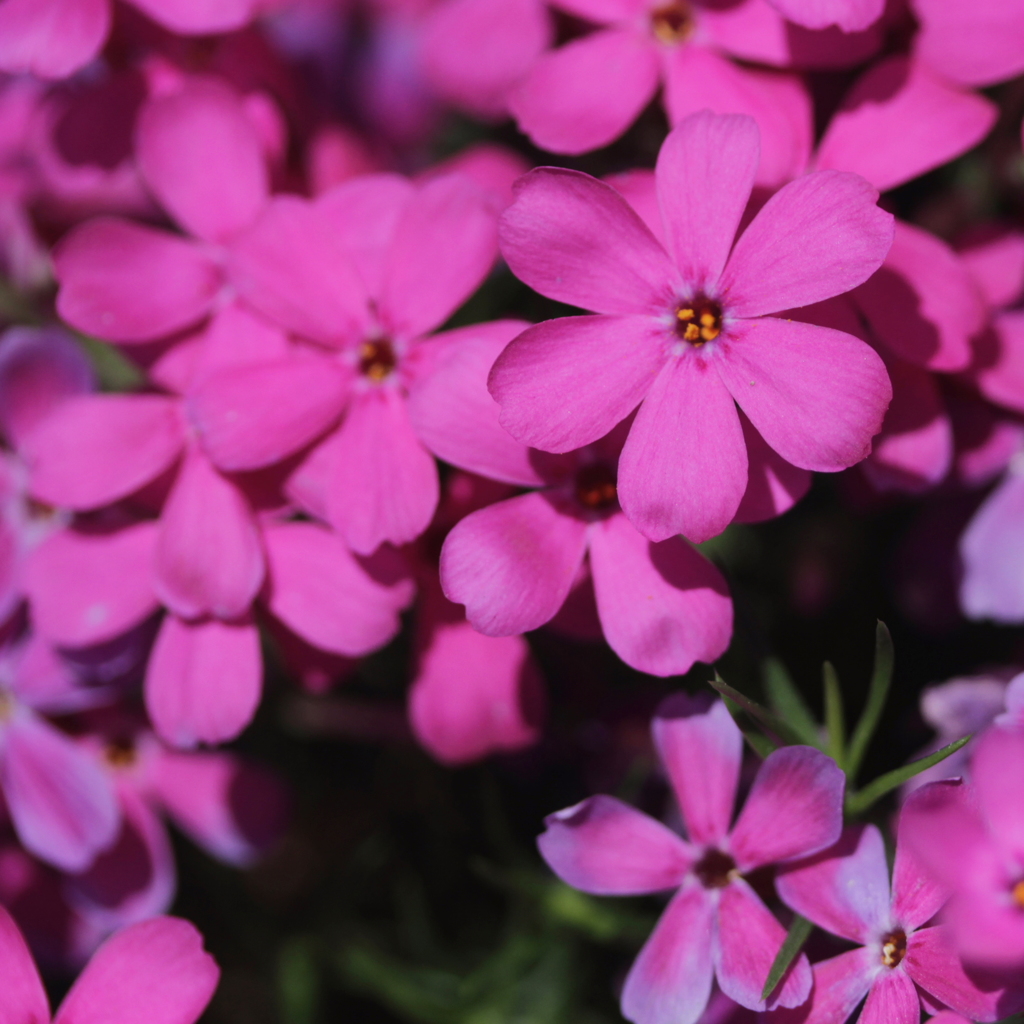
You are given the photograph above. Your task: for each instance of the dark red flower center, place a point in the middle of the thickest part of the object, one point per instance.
(595, 487)
(894, 948)
(672, 22)
(120, 753)
(377, 359)
(698, 321)
(715, 870)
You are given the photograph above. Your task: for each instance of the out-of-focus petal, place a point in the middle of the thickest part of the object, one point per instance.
(198, 17)
(839, 985)
(993, 558)
(51, 38)
(849, 15)
(24, 995)
(999, 367)
(774, 485)
(997, 265)
(997, 762)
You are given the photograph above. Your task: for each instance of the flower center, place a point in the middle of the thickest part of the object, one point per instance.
(715, 870)
(6, 706)
(1017, 892)
(894, 948)
(120, 753)
(672, 22)
(377, 359)
(595, 487)
(699, 321)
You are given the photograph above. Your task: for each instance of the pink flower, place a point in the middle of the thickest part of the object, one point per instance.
(715, 925)
(900, 964)
(683, 336)
(156, 970)
(849, 15)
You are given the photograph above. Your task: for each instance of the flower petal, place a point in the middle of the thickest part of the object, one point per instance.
(818, 236)
(992, 586)
(684, 465)
(917, 896)
(701, 748)
(320, 591)
(999, 369)
(587, 93)
(201, 157)
(155, 971)
(662, 606)
(61, 802)
(203, 681)
(849, 15)
(774, 485)
(565, 383)
(24, 995)
(817, 396)
(198, 17)
(839, 985)
(892, 1000)
(705, 172)
(129, 283)
(51, 38)
(670, 980)
(795, 808)
(606, 847)
(513, 564)
(558, 234)
(997, 761)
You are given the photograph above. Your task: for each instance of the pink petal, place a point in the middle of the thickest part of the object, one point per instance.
(24, 995)
(453, 413)
(976, 45)
(604, 846)
(817, 396)
(640, 189)
(997, 265)
(513, 564)
(603, 12)
(61, 803)
(925, 121)
(385, 486)
(445, 243)
(662, 606)
(234, 337)
(684, 465)
(203, 681)
(670, 980)
(699, 79)
(749, 939)
(202, 159)
(849, 15)
(556, 237)
(844, 889)
(320, 591)
(231, 808)
(197, 17)
(998, 758)
(705, 172)
(795, 808)
(155, 971)
(95, 449)
(774, 486)
(51, 38)
(208, 557)
(292, 268)
(999, 374)
(923, 304)
(252, 416)
(587, 93)
(892, 1000)
(839, 985)
(565, 383)
(818, 236)
(701, 749)
(475, 51)
(129, 283)
(88, 587)
(39, 369)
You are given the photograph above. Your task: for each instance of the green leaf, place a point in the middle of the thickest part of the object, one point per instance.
(757, 741)
(779, 732)
(797, 935)
(835, 722)
(878, 693)
(298, 982)
(788, 703)
(858, 803)
(116, 372)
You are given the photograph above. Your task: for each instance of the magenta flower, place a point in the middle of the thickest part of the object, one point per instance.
(715, 924)
(684, 336)
(156, 971)
(900, 964)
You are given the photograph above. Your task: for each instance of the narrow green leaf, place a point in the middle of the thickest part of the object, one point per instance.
(788, 703)
(835, 722)
(757, 741)
(797, 935)
(878, 693)
(778, 731)
(857, 803)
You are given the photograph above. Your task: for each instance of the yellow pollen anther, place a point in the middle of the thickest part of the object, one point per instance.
(376, 359)
(699, 322)
(1018, 893)
(894, 949)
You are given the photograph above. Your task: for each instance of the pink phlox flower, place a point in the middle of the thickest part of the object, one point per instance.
(366, 272)
(585, 93)
(685, 332)
(900, 963)
(200, 153)
(715, 925)
(55, 38)
(157, 969)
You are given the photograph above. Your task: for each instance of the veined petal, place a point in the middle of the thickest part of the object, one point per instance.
(818, 236)
(839, 985)
(849, 15)
(892, 1000)
(606, 847)
(917, 896)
